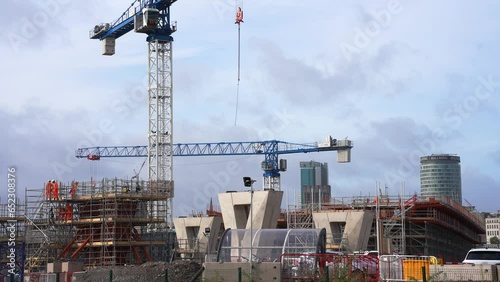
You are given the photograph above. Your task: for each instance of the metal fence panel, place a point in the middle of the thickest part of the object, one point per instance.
(331, 267)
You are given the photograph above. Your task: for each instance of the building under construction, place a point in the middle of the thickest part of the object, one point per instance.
(119, 222)
(406, 225)
(100, 223)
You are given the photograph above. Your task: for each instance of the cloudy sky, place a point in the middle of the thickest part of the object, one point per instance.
(401, 79)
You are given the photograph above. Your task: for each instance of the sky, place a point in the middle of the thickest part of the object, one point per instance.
(401, 79)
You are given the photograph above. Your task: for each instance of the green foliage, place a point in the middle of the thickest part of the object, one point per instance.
(494, 240)
(344, 274)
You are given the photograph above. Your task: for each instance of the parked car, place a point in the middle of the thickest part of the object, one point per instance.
(483, 256)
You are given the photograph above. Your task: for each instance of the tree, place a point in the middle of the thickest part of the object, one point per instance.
(494, 240)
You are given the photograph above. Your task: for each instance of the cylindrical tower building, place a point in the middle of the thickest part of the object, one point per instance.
(440, 176)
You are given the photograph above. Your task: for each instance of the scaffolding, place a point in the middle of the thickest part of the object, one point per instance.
(110, 222)
(408, 224)
(442, 228)
(299, 218)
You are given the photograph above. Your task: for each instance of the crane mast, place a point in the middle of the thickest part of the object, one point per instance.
(160, 173)
(152, 17)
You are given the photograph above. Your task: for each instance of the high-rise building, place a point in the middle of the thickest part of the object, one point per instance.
(440, 177)
(314, 183)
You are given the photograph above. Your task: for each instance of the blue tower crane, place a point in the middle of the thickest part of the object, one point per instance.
(271, 150)
(151, 17)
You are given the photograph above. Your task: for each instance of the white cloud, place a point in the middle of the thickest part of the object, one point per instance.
(57, 88)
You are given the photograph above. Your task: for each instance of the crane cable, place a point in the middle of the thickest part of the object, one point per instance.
(93, 169)
(238, 21)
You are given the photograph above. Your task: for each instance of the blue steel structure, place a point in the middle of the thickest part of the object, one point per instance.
(270, 149)
(125, 23)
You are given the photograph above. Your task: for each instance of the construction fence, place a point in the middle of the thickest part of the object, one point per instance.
(332, 267)
(303, 267)
(329, 267)
(415, 268)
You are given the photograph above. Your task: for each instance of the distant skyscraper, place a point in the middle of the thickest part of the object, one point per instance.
(440, 176)
(314, 183)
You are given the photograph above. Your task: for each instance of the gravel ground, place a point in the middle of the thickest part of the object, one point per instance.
(178, 271)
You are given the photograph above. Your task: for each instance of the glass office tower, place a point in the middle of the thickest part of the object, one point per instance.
(440, 176)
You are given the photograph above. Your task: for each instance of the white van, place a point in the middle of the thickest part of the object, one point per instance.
(483, 256)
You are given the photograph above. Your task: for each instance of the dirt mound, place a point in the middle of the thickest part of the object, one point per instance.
(151, 272)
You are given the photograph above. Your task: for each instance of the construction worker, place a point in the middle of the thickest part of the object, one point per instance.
(68, 212)
(239, 16)
(55, 189)
(61, 214)
(72, 192)
(48, 190)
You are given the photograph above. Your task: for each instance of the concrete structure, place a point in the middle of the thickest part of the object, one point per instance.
(265, 271)
(345, 230)
(314, 186)
(464, 272)
(235, 208)
(71, 266)
(54, 267)
(192, 235)
(440, 177)
(429, 227)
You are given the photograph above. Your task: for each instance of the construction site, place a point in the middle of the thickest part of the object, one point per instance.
(115, 223)
(124, 229)
(99, 223)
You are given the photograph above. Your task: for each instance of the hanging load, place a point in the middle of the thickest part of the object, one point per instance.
(239, 16)
(93, 157)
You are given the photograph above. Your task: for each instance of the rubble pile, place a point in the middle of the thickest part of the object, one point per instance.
(150, 272)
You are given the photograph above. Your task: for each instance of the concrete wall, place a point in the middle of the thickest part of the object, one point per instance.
(356, 231)
(54, 267)
(264, 271)
(185, 227)
(235, 208)
(71, 266)
(464, 272)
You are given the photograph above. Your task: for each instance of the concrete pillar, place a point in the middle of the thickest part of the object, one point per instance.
(235, 208)
(357, 227)
(192, 229)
